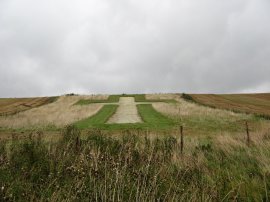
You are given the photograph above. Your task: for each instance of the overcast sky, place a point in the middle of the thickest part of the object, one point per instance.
(52, 47)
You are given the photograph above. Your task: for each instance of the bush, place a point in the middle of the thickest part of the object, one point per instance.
(187, 97)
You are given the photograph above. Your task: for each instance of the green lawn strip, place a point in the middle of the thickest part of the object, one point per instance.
(142, 98)
(115, 99)
(111, 99)
(98, 119)
(153, 118)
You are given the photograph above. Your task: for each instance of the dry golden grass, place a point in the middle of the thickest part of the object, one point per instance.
(10, 106)
(250, 103)
(184, 108)
(59, 113)
(259, 140)
(203, 120)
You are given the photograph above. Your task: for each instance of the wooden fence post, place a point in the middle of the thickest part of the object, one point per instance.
(78, 143)
(181, 139)
(248, 137)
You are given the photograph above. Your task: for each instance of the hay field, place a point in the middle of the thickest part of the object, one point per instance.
(10, 106)
(59, 113)
(185, 108)
(248, 103)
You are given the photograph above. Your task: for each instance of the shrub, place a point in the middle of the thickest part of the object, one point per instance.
(187, 97)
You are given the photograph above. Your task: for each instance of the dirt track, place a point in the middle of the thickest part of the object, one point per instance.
(126, 112)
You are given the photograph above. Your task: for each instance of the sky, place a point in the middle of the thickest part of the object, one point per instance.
(53, 47)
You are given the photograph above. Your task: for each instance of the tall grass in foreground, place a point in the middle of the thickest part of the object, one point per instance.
(135, 167)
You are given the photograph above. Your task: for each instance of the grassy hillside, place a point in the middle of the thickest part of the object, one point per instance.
(57, 114)
(115, 99)
(95, 161)
(10, 106)
(197, 119)
(152, 120)
(249, 103)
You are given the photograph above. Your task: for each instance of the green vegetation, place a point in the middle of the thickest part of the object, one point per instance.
(111, 99)
(187, 97)
(142, 98)
(134, 167)
(154, 119)
(98, 119)
(214, 121)
(151, 120)
(115, 99)
(212, 125)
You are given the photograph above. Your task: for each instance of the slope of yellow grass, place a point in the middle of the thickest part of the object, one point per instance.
(249, 103)
(59, 113)
(199, 119)
(10, 106)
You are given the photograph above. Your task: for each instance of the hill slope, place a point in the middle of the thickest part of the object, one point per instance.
(249, 103)
(10, 106)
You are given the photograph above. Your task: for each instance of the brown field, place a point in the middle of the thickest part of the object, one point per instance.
(248, 103)
(10, 106)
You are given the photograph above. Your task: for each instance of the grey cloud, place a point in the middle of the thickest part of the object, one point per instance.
(108, 46)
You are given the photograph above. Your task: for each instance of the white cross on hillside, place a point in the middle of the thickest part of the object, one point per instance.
(127, 111)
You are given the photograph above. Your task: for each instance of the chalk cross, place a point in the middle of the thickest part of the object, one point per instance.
(127, 111)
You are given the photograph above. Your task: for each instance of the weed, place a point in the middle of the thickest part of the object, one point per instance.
(129, 168)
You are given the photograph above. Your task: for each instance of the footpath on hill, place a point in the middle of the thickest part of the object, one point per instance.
(126, 112)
